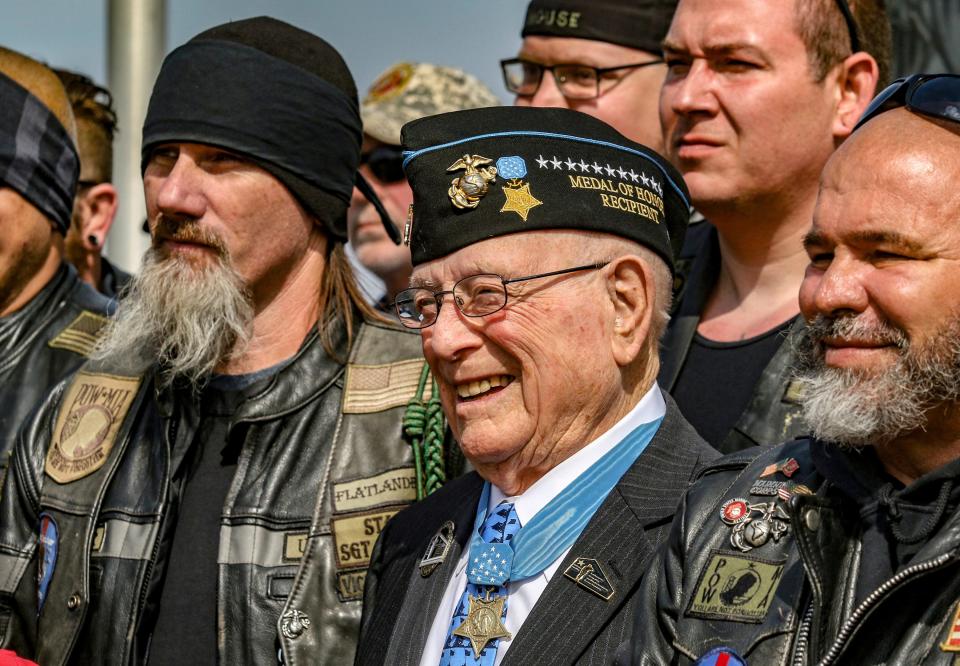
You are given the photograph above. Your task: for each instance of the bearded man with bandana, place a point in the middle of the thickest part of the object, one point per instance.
(49, 321)
(208, 489)
(842, 548)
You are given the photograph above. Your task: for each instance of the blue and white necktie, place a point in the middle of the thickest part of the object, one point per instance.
(459, 650)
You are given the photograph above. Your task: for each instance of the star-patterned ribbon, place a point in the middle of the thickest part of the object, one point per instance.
(499, 527)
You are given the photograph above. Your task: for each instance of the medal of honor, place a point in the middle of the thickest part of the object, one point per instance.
(483, 623)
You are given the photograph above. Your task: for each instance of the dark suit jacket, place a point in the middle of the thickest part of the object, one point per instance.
(568, 624)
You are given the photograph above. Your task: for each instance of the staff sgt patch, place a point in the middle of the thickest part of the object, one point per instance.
(735, 587)
(90, 416)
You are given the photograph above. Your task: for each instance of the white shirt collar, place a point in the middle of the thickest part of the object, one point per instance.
(650, 408)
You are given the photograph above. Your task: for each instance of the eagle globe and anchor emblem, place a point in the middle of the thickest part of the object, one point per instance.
(467, 189)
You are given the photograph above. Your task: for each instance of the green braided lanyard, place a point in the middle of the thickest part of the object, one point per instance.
(423, 428)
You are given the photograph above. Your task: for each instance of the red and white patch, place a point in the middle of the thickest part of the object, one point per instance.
(734, 511)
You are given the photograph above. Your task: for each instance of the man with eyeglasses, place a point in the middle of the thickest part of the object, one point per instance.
(540, 287)
(842, 548)
(600, 57)
(49, 319)
(757, 97)
(407, 91)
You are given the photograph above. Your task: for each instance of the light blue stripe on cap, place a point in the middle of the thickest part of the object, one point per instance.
(410, 155)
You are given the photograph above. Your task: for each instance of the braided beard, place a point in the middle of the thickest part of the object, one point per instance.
(188, 318)
(857, 407)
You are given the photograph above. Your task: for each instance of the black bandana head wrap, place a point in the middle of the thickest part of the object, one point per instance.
(37, 156)
(274, 93)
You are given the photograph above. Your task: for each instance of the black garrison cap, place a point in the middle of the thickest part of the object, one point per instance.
(639, 24)
(489, 172)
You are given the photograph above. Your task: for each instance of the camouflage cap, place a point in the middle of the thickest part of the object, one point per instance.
(409, 91)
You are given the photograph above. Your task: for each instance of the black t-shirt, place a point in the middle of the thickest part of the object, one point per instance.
(717, 380)
(185, 631)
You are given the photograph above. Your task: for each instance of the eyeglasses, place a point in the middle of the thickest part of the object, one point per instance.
(475, 296)
(385, 162)
(523, 77)
(936, 95)
(851, 25)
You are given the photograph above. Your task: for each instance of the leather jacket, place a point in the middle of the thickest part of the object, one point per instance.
(42, 343)
(773, 413)
(322, 467)
(775, 580)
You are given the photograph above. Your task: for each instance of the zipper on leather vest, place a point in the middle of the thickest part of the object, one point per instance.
(148, 571)
(803, 636)
(865, 606)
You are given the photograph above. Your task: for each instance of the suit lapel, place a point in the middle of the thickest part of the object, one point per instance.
(424, 594)
(568, 618)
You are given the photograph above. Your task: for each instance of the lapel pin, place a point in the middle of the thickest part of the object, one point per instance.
(437, 549)
(588, 574)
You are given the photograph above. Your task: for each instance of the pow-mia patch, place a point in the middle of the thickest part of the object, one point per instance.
(354, 536)
(377, 388)
(735, 587)
(350, 584)
(951, 642)
(396, 486)
(81, 334)
(90, 416)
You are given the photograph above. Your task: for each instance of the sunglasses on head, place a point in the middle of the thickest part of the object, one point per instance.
(936, 95)
(385, 163)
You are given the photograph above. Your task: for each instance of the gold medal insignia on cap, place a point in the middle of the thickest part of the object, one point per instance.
(519, 200)
(467, 190)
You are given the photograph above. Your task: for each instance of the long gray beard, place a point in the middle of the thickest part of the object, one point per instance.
(187, 318)
(859, 408)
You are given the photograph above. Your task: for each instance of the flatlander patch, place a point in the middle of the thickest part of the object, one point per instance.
(395, 486)
(90, 416)
(735, 587)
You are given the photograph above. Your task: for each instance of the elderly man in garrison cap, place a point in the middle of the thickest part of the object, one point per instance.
(843, 548)
(49, 320)
(600, 57)
(407, 91)
(540, 293)
(209, 488)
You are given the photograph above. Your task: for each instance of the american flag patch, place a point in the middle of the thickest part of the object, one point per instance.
(952, 642)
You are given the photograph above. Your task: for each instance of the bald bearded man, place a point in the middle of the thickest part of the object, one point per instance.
(49, 319)
(842, 548)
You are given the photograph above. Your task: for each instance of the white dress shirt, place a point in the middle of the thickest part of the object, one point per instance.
(523, 594)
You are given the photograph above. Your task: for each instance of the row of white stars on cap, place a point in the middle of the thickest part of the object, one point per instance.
(585, 167)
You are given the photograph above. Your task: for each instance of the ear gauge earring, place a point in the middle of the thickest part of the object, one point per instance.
(93, 240)
(617, 322)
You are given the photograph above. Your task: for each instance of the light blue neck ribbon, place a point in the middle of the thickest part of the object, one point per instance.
(555, 527)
